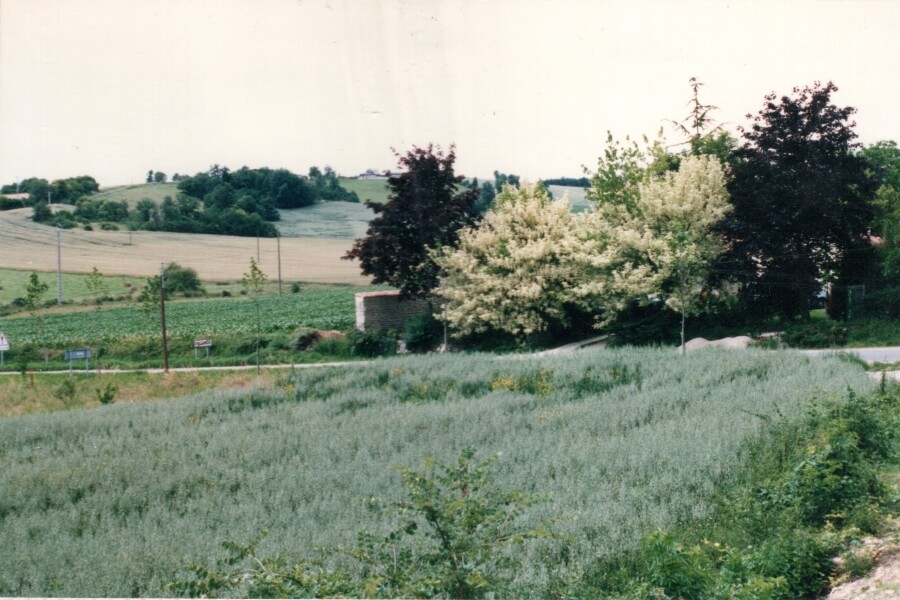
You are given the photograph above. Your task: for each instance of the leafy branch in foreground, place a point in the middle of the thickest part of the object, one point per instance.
(451, 540)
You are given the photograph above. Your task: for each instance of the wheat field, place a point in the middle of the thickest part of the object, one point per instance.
(31, 246)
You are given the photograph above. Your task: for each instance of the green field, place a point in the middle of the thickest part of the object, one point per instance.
(367, 189)
(119, 500)
(221, 319)
(339, 220)
(13, 282)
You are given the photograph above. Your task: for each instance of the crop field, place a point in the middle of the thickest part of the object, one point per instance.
(216, 318)
(119, 500)
(343, 220)
(30, 246)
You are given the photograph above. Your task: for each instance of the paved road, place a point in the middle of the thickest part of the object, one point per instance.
(888, 354)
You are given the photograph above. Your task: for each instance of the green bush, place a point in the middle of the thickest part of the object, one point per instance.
(449, 540)
(882, 303)
(423, 333)
(823, 333)
(372, 343)
(303, 338)
(106, 393)
(333, 347)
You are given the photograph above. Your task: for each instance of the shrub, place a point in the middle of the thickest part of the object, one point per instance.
(106, 393)
(449, 540)
(182, 280)
(423, 333)
(303, 338)
(372, 343)
(66, 390)
(338, 347)
(815, 334)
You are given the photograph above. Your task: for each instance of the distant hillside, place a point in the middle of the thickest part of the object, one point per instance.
(135, 193)
(375, 190)
(576, 196)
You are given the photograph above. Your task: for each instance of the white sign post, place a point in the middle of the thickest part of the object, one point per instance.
(201, 344)
(4, 346)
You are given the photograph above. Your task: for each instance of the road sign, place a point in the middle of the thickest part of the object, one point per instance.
(80, 354)
(4, 343)
(202, 343)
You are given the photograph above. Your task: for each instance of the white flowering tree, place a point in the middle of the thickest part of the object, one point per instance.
(662, 245)
(517, 271)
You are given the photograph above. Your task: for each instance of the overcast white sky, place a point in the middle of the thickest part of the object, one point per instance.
(113, 88)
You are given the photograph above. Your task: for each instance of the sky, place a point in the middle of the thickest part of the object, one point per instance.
(114, 88)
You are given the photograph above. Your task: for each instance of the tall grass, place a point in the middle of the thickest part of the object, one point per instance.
(115, 500)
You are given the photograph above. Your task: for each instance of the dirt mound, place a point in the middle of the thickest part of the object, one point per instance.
(741, 341)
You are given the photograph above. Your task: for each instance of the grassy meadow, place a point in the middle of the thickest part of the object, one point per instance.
(75, 288)
(46, 393)
(132, 194)
(375, 190)
(118, 500)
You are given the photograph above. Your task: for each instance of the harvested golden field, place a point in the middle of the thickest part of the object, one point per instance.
(28, 245)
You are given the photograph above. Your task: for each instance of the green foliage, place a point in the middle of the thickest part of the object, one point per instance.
(449, 541)
(801, 203)
(328, 186)
(181, 280)
(106, 392)
(624, 166)
(116, 501)
(806, 492)
(96, 283)
(372, 343)
(221, 318)
(423, 333)
(822, 333)
(424, 213)
(101, 209)
(466, 523)
(34, 291)
(253, 280)
(66, 390)
(41, 213)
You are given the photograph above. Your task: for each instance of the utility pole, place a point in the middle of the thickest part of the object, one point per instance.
(58, 268)
(49, 198)
(162, 318)
(278, 240)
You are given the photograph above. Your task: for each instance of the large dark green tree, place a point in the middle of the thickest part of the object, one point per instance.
(424, 212)
(801, 203)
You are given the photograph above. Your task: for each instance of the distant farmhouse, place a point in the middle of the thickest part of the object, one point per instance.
(373, 174)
